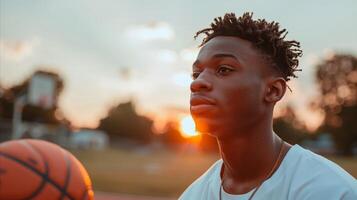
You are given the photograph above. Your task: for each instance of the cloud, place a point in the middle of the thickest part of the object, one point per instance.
(150, 31)
(16, 51)
(189, 54)
(328, 53)
(182, 79)
(166, 56)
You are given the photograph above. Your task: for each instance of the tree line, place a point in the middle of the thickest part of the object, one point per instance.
(336, 78)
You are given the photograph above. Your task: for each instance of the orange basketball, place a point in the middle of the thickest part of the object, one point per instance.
(36, 169)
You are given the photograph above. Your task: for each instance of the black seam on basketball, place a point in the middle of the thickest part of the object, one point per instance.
(61, 190)
(68, 173)
(35, 171)
(43, 183)
(84, 194)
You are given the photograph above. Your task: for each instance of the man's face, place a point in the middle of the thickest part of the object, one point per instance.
(228, 86)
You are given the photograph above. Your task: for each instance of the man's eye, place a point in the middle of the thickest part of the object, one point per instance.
(223, 70)
(195, 75)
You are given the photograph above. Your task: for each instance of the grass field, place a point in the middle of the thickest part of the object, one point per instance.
(155, 173)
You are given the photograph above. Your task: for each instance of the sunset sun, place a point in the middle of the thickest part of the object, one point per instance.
(187, 127)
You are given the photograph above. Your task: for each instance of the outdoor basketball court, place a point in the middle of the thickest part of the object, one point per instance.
(113, 196)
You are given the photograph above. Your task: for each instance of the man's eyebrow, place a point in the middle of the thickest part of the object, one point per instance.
(218, 55)
(222, 55)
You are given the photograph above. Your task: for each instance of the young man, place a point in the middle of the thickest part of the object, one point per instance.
(239, 75)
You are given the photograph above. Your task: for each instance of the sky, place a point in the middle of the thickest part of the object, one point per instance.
(112, 51)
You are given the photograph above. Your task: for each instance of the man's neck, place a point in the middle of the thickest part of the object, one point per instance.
(248, 157)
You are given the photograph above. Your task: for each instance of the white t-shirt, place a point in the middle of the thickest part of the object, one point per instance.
(302, 175)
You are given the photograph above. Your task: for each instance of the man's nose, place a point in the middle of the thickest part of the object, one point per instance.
(202, 83)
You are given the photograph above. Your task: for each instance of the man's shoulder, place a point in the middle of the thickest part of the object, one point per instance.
(309, 163)
(314, 174)
(201, 184)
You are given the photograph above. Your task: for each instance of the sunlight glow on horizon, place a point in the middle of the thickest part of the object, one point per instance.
(188, 128)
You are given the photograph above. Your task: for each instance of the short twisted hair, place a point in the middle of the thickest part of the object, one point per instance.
(265, 36)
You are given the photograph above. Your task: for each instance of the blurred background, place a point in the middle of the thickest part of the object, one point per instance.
(109, 81)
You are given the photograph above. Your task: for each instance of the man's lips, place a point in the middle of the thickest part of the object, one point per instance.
(197, 100)
(201, 104)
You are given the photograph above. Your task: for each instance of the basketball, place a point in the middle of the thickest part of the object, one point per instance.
(36, 169)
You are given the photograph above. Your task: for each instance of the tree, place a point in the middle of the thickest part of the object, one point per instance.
(337, 81)
(289, 128)
(122, 121)
(171, 135)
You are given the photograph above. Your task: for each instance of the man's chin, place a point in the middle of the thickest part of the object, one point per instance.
(206, 125)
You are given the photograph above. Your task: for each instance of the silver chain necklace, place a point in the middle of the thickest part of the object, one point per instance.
(270, 173)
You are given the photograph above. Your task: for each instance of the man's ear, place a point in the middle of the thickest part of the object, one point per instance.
(275, 89)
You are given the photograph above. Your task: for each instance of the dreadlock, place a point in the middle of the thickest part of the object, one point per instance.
(264, 35)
